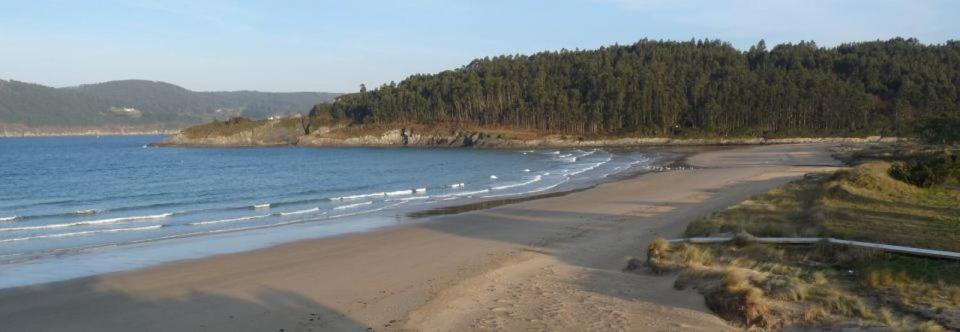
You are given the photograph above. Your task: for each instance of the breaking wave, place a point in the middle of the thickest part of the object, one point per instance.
(344, 198)
(298, 212)
(519, 184)
(229, 220)
(59, 235)
(351, 206)
(86, 223)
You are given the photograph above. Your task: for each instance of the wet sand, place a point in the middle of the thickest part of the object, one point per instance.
(548, 264)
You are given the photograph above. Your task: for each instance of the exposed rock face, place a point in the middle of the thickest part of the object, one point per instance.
(271, 136)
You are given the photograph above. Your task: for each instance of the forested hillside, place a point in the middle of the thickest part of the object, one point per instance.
(696, 88)
(139, 103)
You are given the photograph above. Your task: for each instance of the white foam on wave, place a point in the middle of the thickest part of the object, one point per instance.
(588, 168)
(493, 177)
(344, 198)
(467, 193)
(366, 211)
(290, 222)
(10, 218)
(526, 170)
(298, 212)
(88, 211)
(518, 184)
(49, 236)
(528, 192)
(457, 185)
(228, 220)
(261, 206)
(85, 223)
(382, 194)
(399, 193)
(591, 167)
(352, 206)
(404, 199)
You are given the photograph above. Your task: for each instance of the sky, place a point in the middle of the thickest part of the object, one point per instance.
(334, 46)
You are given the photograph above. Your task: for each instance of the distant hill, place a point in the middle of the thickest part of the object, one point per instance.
(138, 104)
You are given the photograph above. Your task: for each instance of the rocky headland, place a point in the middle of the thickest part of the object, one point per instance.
(292, 132)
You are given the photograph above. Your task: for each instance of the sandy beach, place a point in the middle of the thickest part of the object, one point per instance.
(550, 264)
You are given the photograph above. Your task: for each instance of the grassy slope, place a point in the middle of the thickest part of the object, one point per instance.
(824, 285)
(863, 203)
(237, 126)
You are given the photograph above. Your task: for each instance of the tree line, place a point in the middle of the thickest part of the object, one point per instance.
(693, 88)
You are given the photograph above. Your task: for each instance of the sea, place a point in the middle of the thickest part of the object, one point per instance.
(80, 206)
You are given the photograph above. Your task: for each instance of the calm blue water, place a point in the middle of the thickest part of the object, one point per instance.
(68, 204)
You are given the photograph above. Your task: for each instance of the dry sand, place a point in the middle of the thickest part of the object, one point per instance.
(551, 264)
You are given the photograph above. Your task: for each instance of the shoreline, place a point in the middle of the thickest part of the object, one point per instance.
(389, 278)
(159, 249)
(396, 138)
(89, 133)
(676, 161)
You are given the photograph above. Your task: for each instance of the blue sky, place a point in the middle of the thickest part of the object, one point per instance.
(337, 45)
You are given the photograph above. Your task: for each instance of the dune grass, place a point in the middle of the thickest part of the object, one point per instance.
(765, 286)
(863, 203)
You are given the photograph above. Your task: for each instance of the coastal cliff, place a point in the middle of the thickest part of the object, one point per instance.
(406, 137)
(295, 132)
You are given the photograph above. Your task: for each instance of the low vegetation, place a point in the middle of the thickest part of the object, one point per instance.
(765, 286)
(277, 131)
(863, 203)
(923, 165)
(772, 287)
(928, 170)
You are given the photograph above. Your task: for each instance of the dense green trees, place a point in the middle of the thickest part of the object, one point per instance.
(695, 88)
(945, 130)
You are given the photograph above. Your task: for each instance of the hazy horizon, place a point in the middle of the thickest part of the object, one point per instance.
(335, 47)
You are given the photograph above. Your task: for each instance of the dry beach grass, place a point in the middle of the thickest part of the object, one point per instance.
(825, 285)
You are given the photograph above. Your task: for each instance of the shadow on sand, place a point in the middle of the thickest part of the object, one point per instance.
(114, 310)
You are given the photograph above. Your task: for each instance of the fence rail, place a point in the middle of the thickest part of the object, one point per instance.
(812, 240)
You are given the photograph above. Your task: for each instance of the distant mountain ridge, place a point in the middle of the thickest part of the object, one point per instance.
(139, 104)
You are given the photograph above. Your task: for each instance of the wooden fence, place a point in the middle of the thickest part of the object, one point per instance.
(812, 240)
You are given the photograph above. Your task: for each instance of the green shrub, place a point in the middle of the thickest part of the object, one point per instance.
(941, 131)
(927, 170)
